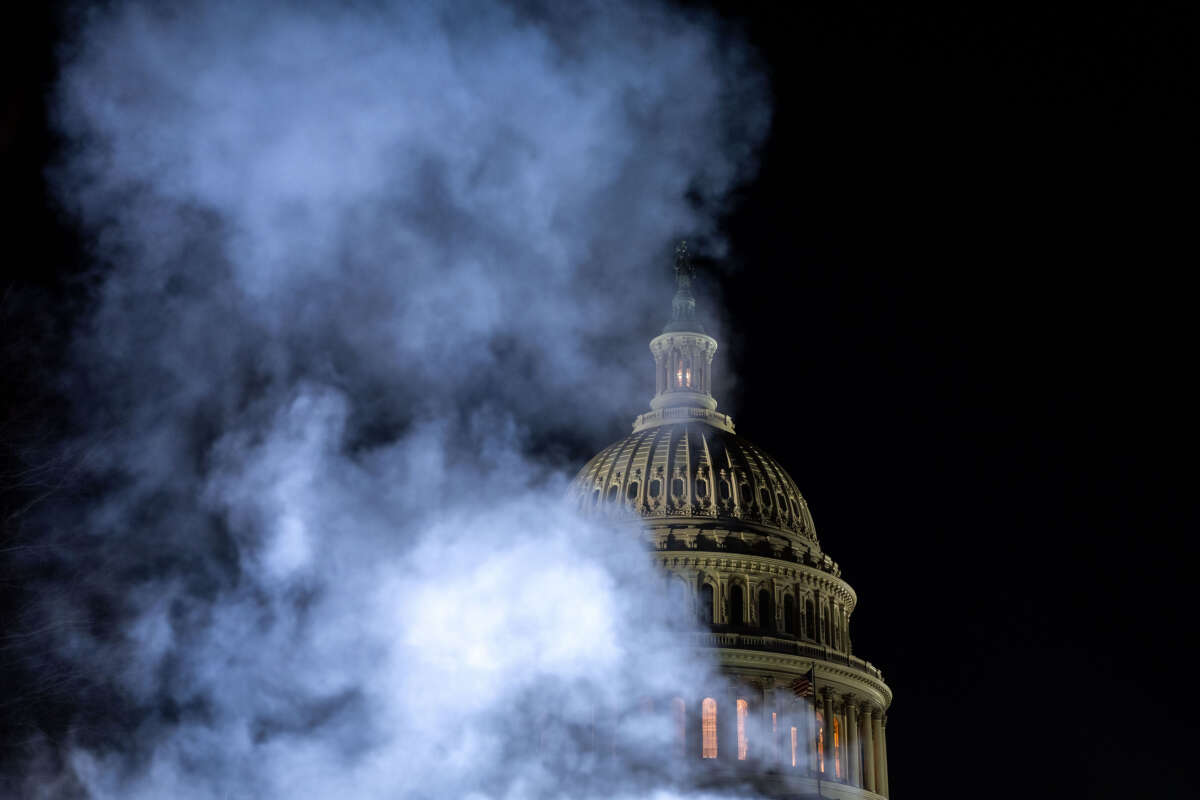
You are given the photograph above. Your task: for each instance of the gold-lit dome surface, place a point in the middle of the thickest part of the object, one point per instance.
(694, 470)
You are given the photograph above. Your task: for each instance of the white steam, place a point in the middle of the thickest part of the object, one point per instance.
(358, 264)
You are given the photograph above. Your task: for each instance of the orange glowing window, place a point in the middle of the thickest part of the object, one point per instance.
(708, 728)
(774, 736)
(683, 374)
(680, 725)
(742, 708)
(820, 742)
(837, 751)
(794, 747)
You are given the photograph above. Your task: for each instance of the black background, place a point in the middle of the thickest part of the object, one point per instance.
(956, 310)
(969, 343)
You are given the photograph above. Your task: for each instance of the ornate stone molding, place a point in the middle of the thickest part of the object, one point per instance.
(761, 565)
(788, 667)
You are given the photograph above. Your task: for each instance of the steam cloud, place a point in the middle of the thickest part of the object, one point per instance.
(359, 266)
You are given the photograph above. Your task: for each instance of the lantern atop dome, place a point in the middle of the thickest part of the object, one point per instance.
(683, 355)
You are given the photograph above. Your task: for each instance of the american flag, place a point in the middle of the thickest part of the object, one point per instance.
(803, 686)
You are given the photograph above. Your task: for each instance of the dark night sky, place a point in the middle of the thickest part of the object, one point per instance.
(958, 321)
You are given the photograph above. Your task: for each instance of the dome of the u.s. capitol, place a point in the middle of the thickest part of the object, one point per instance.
(796, 712)
(699, 473)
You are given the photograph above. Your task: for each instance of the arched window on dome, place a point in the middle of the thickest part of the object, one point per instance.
(612, 493)
(708, 728)
(679, 711)
(737, 606)
(706, 603)
(789, 614)
(743, 710)
(825, 623)
(766, 614)
(631, 492)
(810, 614)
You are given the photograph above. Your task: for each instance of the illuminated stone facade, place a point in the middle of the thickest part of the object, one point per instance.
(737, 542)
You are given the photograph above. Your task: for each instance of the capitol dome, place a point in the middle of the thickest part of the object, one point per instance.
(801, 714)
(698, 471)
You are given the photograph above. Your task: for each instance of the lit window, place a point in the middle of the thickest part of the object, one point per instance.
(774, 736)
(708, 728)
(820, 742)
(837, 753)
(683, 374)
(794, 747)
(742, 708)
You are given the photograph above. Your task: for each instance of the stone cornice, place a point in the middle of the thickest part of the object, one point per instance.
(762, 566)
(872, 691)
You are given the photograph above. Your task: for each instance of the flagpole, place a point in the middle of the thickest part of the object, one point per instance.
(812, 672)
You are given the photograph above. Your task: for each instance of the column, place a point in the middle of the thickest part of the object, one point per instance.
(811, 748)
(783, 745)
(830, 757)
(693, 736)
(763, 747)
(855, 765)
(868, 747)
(726, 727)
(877, 736)
(883, 768)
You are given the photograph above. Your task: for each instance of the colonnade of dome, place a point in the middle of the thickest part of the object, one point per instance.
(739, 551)
(756, 728)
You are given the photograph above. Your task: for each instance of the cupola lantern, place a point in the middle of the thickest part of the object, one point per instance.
(683, 355)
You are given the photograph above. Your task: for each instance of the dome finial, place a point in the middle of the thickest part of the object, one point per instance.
(683, 262)
(683, 306)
